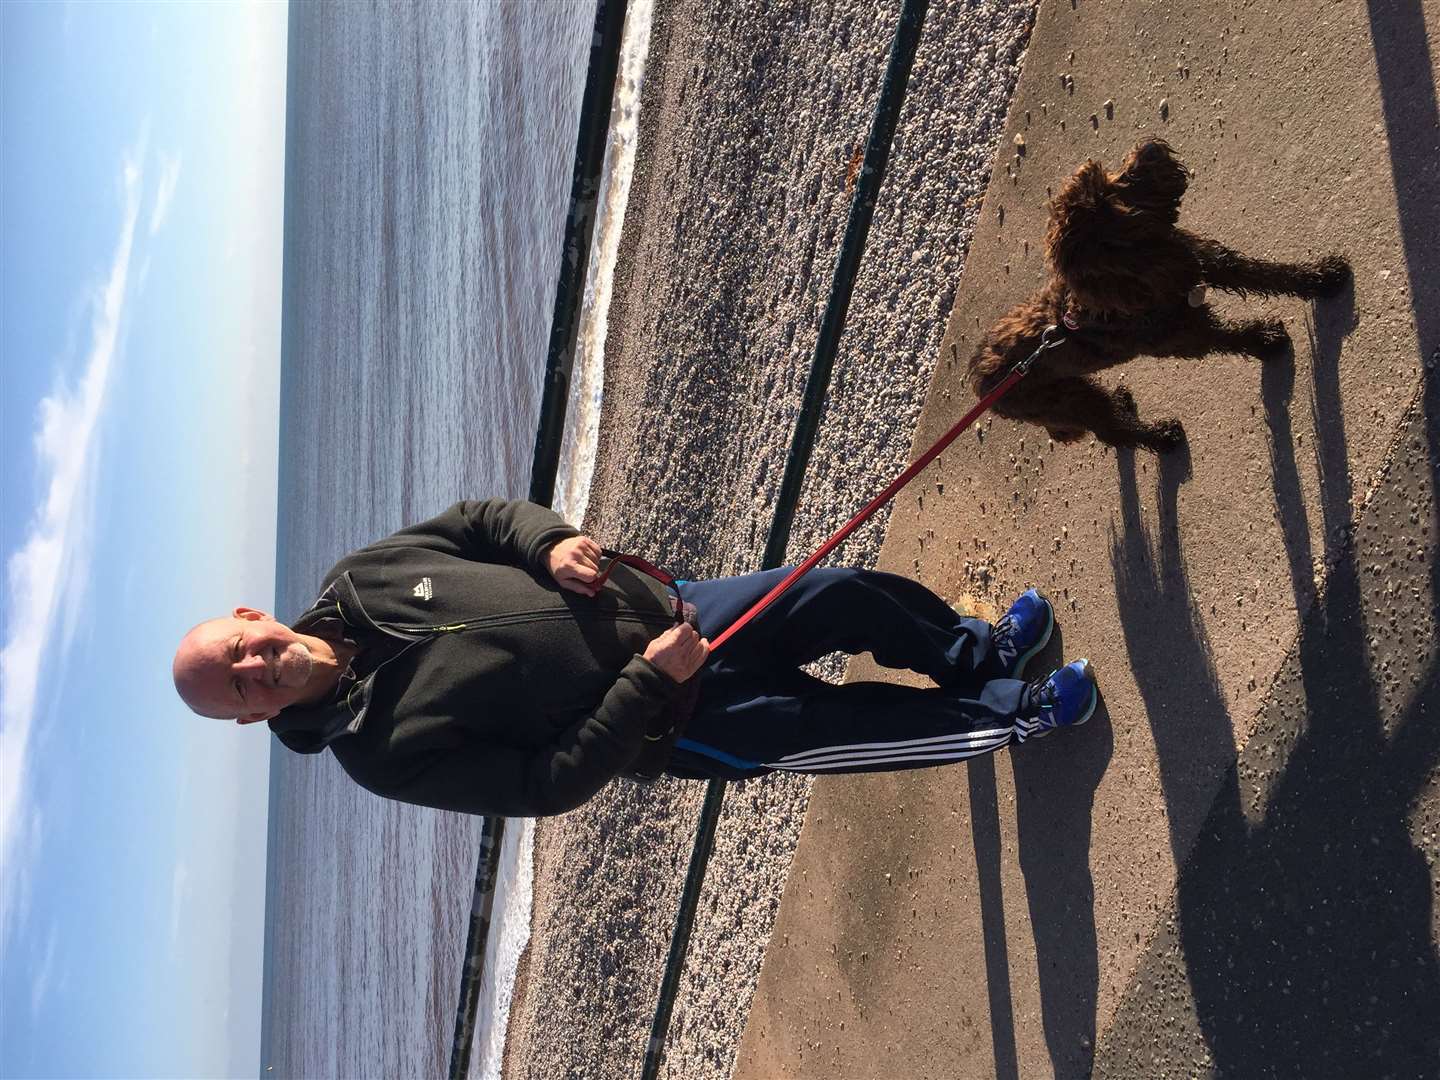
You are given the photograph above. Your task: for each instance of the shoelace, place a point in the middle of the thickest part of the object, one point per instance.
(1004, 637)
(1045, 693)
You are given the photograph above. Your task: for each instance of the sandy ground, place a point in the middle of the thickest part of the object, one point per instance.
(1232, 870)
(751, 114)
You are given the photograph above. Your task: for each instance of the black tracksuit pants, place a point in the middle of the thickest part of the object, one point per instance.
(758, 712)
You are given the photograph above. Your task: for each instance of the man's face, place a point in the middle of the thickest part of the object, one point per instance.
(248, 666)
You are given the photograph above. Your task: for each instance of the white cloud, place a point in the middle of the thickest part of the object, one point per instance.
(49, 571)
(169, 177)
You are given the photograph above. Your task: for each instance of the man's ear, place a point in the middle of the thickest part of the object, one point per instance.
(250, 614)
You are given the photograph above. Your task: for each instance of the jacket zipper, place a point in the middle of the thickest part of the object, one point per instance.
(518, 618)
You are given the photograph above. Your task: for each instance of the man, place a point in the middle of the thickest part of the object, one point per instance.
(478, 662)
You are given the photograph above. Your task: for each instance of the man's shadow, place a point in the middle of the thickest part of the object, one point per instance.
(1303, 912)
(1308, 936)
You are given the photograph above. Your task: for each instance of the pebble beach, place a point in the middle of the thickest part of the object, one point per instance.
(751, 117)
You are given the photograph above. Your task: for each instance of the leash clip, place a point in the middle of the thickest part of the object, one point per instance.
(1049, 338)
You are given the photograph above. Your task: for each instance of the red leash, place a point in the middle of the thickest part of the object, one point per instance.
(1048, 340)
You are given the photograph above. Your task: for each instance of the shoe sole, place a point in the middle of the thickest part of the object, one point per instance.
(1029, 654)
(1089, 708)
(1094, 700)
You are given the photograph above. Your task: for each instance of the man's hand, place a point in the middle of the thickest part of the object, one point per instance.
(678, 652)
(574, 564)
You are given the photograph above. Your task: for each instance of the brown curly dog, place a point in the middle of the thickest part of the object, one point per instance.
(1125, 281)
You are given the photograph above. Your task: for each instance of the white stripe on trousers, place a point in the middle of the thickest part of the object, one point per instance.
(937, 748)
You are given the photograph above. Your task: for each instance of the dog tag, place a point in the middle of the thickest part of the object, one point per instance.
(1197, 296)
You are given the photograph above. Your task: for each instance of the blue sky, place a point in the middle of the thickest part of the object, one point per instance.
(141, 198)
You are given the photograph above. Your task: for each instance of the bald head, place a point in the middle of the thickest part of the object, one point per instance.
(247, 667)
(192, 664)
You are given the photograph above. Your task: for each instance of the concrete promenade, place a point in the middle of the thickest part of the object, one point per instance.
(1232, 870)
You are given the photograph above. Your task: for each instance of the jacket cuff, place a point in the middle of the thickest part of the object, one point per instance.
(650, 678)
(541, 545)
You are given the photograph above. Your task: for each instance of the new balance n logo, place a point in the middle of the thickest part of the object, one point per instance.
(423, 590)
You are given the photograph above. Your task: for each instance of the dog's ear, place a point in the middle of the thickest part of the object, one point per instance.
(1086, 191)
(1088, 227)
(1081, 214)
(1153, 180)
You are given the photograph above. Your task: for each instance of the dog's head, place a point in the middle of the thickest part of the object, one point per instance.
(1107, 232)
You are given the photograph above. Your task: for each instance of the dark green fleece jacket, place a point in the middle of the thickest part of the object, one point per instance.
(482, 686)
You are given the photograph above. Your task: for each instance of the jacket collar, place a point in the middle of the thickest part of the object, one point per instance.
(336, 613)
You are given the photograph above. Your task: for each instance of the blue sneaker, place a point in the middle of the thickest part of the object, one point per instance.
(1065, 698)
(1023, 631)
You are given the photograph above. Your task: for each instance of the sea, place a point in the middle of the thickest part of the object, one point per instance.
(429, 150)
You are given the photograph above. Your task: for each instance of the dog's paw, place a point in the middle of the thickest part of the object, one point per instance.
(1165, 435)
(1332, 273)
(1124, 401)
(1269, 339)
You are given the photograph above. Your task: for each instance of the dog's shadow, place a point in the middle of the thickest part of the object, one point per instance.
(1329, 323)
